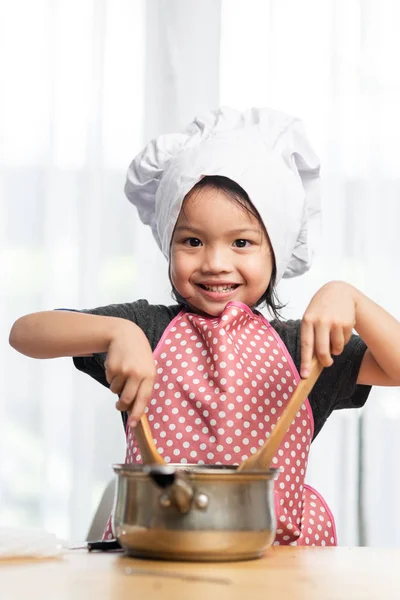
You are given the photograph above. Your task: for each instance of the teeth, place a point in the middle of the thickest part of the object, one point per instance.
(219, 288)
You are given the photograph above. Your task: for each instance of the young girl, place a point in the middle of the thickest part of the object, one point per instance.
(233, 203)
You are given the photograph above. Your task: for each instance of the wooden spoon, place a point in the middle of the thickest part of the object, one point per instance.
(262, 459)
(148, 450)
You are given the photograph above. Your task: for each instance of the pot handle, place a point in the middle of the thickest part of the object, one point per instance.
(179, 491)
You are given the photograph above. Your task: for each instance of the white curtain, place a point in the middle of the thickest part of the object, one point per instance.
(83, 85)
(334, 63)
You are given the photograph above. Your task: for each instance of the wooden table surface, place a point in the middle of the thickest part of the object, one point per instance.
(287, 572)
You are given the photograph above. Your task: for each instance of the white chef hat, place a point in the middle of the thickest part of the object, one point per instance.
(264, 151)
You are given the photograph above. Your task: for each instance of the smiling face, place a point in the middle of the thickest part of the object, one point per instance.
(219, 252)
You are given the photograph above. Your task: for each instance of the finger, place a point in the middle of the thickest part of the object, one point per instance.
(109, 372)
(128, 395)
(323, 344)
(141, 400)
(307, 347)
(117, 384)
(337, 341)
(348, 332)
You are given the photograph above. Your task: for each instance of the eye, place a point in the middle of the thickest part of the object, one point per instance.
(242, 243)
(192, 242)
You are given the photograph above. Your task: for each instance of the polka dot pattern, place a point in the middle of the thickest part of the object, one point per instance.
(222, 383)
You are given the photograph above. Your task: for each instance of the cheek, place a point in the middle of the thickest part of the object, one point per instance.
(178, 270)
(260, 274)
(256, 268)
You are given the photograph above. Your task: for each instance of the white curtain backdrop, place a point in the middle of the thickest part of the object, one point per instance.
(83, 85)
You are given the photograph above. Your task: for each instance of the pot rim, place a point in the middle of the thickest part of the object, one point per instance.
(193, 469)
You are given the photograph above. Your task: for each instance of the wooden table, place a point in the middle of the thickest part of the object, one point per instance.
(295, 573)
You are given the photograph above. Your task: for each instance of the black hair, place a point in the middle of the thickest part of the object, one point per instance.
(237, 193)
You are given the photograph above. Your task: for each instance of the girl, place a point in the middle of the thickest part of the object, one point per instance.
(233, 203)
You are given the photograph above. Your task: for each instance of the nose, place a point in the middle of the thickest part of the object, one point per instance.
(215, 260)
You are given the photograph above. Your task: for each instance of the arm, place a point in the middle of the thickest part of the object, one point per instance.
(129, 367)
(381, 332)
(52, 334)
(328, 323)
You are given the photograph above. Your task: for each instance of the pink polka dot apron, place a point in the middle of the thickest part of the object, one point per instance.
(222, 383)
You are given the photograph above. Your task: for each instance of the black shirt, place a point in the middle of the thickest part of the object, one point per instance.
(335, 389)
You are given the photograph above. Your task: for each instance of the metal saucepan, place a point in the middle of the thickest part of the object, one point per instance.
(194, 512)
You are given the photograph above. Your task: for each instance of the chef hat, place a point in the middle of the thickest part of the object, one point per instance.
(264, 151)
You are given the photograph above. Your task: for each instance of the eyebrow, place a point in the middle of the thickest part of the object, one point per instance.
(230, 232)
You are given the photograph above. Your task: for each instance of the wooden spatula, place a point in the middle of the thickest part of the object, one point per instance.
(148, 450)
(262, 459)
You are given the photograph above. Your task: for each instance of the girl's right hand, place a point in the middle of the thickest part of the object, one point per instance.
(130, 370)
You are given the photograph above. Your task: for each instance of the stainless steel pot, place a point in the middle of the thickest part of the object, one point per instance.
(193, 512)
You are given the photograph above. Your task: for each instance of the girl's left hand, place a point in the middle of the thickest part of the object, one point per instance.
(327, 324)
